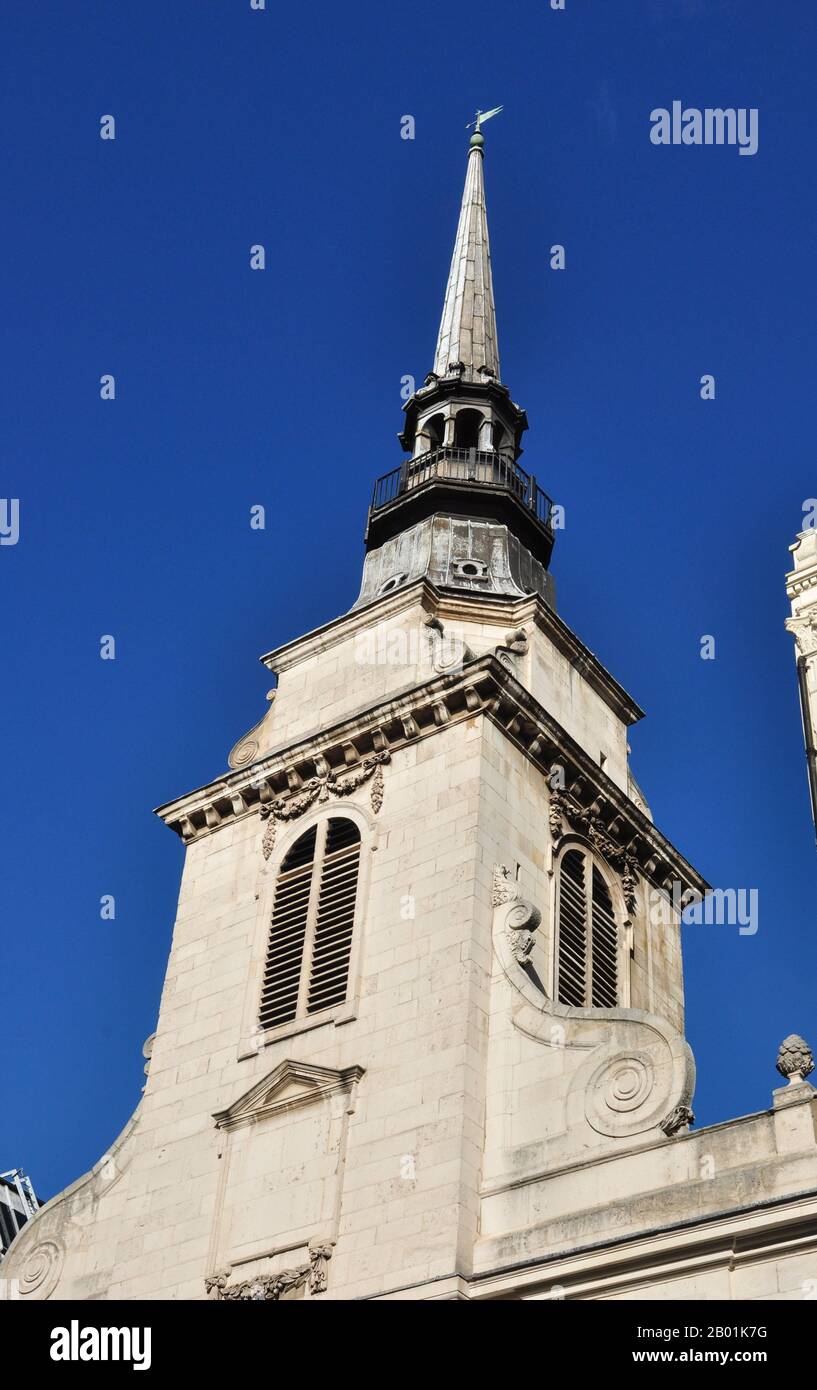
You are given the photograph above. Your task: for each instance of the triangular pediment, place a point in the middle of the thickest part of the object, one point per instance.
(290, 1085)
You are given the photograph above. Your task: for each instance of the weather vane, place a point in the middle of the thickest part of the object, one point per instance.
(483, 116)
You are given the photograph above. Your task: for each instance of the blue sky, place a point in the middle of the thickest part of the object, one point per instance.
(282, 387)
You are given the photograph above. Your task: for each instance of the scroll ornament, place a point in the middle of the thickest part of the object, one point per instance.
(515, 644)
(522, 919)
(448, 651)
(41, 1270)
(322, 788)
(269, 1288)
(621, 858)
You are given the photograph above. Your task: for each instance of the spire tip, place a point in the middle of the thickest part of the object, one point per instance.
(477, 140)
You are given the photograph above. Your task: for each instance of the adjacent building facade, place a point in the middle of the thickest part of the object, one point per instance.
(801, 589)
(18, 1202)
(422, 1030)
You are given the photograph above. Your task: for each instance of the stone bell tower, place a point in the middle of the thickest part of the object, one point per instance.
(421, 1033)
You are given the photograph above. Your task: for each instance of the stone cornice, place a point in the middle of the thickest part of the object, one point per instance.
(484, 686)
(797, 584)
(534, 609)
(804, 575)
(635, 1260)
(323, 638)
(471, 607)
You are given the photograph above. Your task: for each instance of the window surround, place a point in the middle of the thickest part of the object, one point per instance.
(254, 1038)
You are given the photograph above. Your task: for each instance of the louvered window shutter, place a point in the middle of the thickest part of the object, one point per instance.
(572, 959)
(285, 950)
(604, 986)
(310, 941)
(587, 936)
(335, 917)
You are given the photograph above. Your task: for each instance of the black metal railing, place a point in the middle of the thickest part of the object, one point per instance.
(464, 466)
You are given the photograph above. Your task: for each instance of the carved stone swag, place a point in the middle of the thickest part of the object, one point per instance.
(322, 788)
(583, 818)
(270, 1288)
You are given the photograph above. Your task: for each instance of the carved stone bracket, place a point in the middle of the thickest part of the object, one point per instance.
(270, 1288)
(322, 788)
(504, 889)
(515, 644)
(522, 919)
(448, 653)
(583, 818)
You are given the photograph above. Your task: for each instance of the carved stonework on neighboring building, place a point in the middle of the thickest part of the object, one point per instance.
(801, 590)
(805, 632)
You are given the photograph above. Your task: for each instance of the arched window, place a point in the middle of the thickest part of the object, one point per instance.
(434, 430)
(310, 940)
(587, 935)
(466, 429)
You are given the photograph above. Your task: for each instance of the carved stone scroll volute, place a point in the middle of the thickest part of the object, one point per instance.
(522, 918)
(632, 1073)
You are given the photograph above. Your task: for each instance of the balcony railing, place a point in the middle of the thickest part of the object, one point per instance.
(464, 466)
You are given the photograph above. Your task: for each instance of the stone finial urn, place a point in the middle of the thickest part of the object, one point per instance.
(795, 1060)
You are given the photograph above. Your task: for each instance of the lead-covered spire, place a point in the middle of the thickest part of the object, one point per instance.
(468, 326)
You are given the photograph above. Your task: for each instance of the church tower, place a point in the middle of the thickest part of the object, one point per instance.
(421, 1034)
